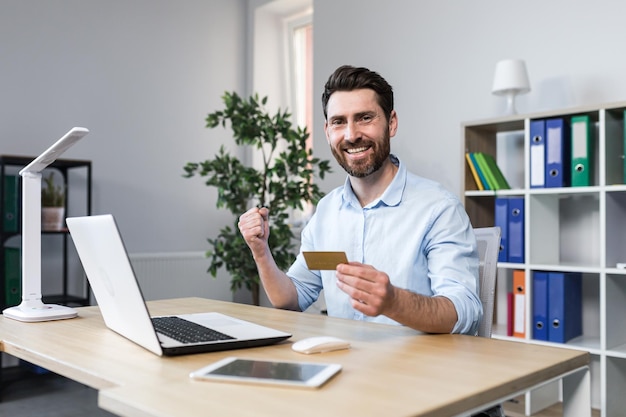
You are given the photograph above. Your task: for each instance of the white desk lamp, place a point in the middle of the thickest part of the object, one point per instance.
(510, 80)
(32, 309)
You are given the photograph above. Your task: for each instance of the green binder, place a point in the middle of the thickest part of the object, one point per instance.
(498, 177)
(484, 168)
(581, 149)
(491, 171)
(10, 203)
(12, 277)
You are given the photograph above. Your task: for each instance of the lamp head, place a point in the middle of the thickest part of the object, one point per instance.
(510, 79)
(510, 76)
(53, 152)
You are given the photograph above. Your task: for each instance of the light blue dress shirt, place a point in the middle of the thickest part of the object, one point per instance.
(417, 232)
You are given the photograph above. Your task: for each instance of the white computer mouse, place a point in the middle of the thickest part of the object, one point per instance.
(318, 344)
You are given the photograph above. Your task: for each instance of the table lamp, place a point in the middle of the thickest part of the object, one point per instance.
(510, 80)
(32, 309)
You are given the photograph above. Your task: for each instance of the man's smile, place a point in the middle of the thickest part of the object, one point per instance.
(357, 150)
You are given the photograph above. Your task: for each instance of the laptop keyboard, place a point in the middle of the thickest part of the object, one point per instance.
(186, 331)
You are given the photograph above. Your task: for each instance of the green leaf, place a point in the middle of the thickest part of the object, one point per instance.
(283, 182)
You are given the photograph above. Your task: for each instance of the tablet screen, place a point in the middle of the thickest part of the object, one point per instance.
(306, 374)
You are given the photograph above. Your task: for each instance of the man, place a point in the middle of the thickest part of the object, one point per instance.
(412, 251)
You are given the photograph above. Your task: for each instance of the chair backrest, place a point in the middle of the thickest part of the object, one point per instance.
(488, 240)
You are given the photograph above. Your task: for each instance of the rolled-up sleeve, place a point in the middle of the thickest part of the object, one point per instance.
(451, 249)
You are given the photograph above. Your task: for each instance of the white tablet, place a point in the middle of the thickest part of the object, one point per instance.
(284, 373)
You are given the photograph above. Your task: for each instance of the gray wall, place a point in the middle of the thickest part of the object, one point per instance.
(141, 75)
(440, 58)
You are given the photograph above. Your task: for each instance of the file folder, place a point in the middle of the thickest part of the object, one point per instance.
(470, 164)
(499, 181)
(540, 305)
(484, 168)
(557, 153)
(479, 171)
(516, 229)
(10, 203)
(564, 306)
(501, 219)
(519, 303)
(537, 154)
(12, 277)
(581, 156)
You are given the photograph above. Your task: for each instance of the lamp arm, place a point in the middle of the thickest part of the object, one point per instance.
(31, 239)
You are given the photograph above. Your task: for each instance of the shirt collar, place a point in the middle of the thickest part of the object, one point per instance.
(392, 195)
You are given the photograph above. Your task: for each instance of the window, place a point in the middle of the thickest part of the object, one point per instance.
(300, 35)
(282, 68)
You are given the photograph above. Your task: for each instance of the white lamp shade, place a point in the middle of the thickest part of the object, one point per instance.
(510, 77)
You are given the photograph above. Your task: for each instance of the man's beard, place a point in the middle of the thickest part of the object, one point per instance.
(363, 168)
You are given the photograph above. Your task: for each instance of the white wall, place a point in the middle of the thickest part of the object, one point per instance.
(440, 57)
(142, 75)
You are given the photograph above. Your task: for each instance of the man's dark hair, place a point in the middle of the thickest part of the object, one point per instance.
(348, 78)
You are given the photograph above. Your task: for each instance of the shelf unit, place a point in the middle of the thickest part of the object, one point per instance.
(577, 229)
(57, 250)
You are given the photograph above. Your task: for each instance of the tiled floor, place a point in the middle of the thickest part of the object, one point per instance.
(25, 394)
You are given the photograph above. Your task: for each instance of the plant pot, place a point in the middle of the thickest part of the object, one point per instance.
(52, 218)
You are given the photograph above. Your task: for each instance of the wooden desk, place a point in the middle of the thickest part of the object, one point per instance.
(389, 371)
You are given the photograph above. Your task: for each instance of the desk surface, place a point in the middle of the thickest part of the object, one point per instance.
(390, 370)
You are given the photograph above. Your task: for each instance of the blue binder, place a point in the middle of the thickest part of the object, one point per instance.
(557, 153)
(540, 305)
(564, 306)
(501, 220)
(537, 154)
(516, 229)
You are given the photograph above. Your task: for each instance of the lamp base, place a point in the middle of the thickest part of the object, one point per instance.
(41, 312)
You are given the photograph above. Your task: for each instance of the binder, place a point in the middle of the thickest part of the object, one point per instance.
(519, 303)
(516, 229)
(12, 277)
(484, 169)
(479, 171)
(10, 203)
(564, 306)
(581, 154)
(540, 305)
(557, 153)
(501, 213)
(500, 182)
(470, 164)
(537, 154)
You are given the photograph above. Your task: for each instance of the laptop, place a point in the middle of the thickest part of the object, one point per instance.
(106, 263)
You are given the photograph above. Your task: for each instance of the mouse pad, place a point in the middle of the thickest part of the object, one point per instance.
(324, 260)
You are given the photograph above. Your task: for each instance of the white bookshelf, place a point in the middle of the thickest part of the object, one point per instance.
(578, 229)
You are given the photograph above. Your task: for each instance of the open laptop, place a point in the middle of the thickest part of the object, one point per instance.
(113, 282)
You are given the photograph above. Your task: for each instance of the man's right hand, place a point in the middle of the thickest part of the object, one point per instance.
(255, 229)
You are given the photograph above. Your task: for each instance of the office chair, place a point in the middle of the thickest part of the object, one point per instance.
(488, 240)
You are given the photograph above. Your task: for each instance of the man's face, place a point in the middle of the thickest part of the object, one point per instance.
(357, 131)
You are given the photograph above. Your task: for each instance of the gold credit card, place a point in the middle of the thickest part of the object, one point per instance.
(324, 260)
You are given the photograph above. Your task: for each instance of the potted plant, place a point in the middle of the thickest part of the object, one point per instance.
(52, 204)
(283, 183)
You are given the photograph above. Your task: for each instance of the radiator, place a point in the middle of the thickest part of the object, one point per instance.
(178, 274)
